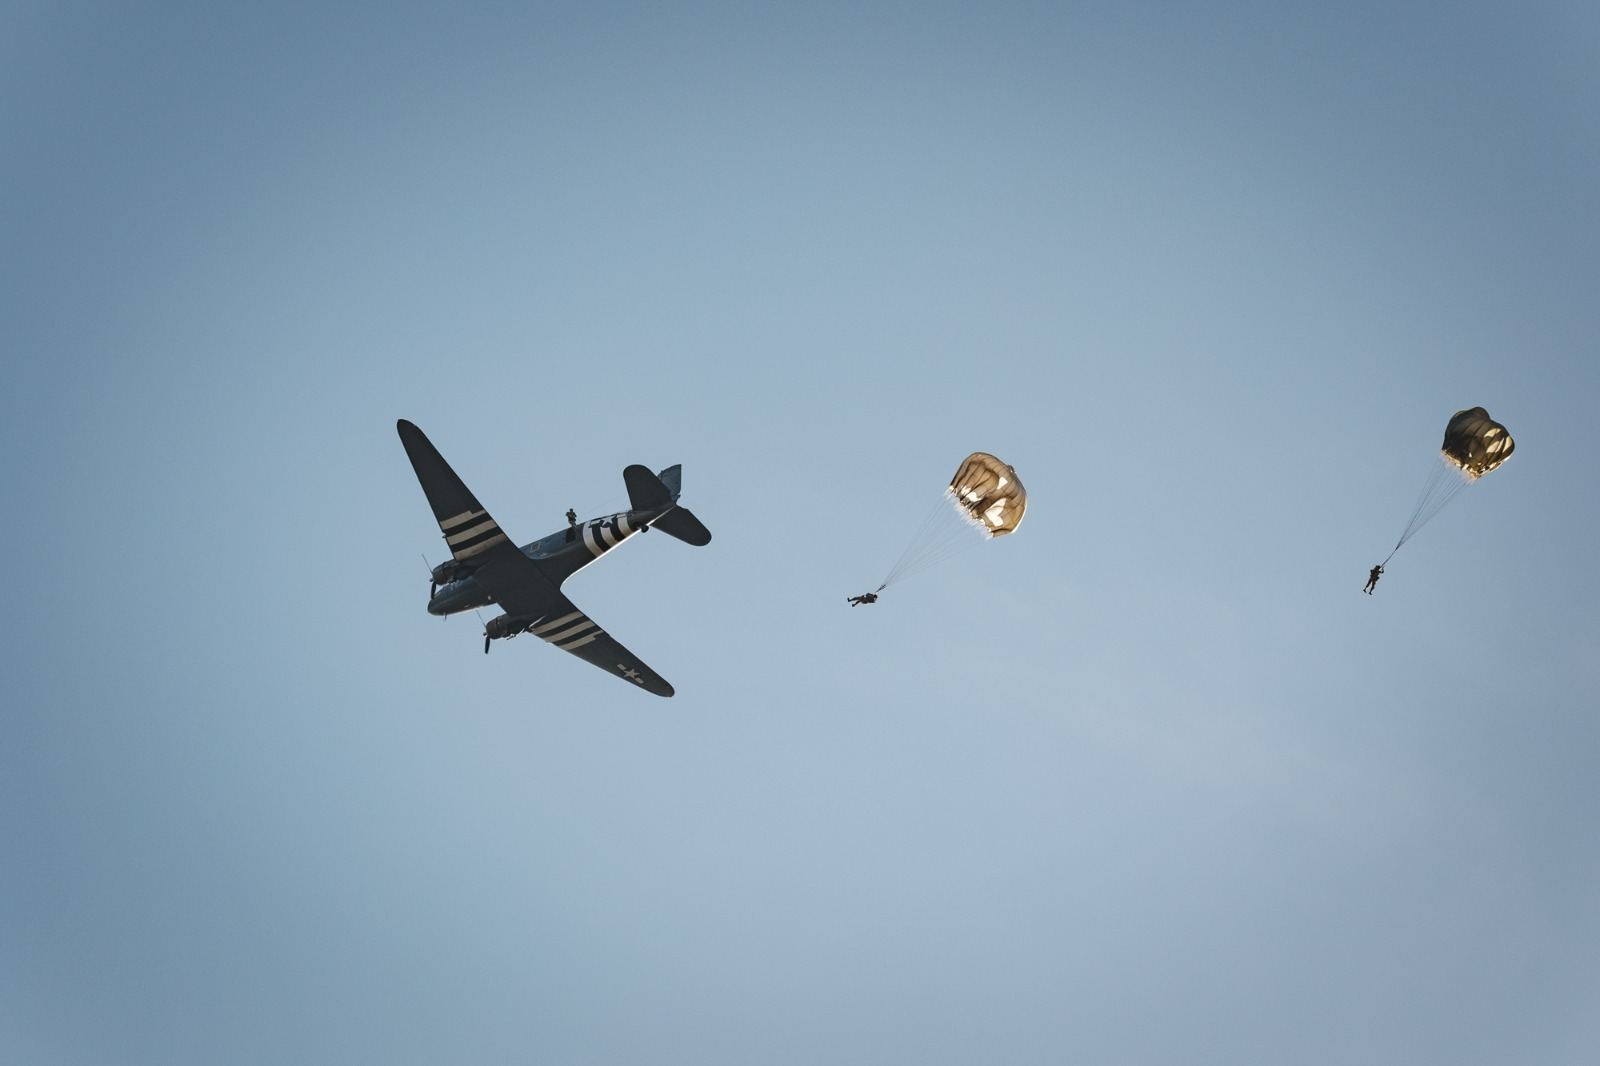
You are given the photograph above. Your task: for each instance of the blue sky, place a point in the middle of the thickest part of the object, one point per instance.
(1149, 781)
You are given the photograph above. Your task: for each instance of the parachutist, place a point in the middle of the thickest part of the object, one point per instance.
(865, 597)
(1372, 579)
(572, 525)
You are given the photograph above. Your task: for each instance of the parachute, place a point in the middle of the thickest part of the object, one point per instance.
(989, 492)
(985, 497)
(1474, 444)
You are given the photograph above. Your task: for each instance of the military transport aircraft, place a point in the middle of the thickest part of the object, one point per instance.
(486, 567)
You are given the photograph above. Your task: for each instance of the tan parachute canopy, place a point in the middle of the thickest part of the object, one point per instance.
(985, 498)
(988, 492)
(1476, 443)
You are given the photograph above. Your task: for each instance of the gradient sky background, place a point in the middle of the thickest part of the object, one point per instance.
(1148, 782)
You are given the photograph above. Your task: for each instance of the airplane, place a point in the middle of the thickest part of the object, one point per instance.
(486, 567)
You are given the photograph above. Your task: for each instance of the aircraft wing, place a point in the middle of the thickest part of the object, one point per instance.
(572, 630)
(471, 534)
(521, 588)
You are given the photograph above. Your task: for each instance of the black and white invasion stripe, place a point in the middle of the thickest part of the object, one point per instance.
(603, 534)
(471, 532)
(570, 631)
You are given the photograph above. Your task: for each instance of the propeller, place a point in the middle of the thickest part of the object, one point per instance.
(433, 586)
(487, 639)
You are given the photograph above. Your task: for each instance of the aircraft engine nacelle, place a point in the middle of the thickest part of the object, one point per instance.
(506, 626)
(450, 570)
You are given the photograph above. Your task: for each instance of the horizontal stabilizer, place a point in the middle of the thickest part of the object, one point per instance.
(645, 490)
(680, 522)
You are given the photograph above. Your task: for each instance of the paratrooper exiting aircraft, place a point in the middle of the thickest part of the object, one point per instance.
(486, 567)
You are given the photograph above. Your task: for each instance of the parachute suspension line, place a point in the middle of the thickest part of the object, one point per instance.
(956, 533)
(918, 565)
(924, 530)
(1443, 484)
(919, 552)
(947, 546)
(946, 552)
(1451, 489)
(943, 533)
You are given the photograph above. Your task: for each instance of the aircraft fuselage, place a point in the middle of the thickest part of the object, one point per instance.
(559, 555)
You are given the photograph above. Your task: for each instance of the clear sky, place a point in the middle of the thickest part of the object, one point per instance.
(1149, 781)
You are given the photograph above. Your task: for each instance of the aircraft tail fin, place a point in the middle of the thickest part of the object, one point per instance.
(672, 478)
(646, 492)
(651, 492)
(680, 522)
